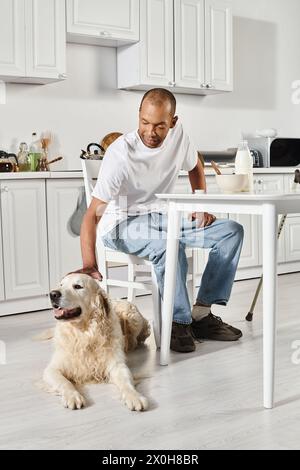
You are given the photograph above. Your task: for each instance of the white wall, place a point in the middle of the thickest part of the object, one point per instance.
(84, 109)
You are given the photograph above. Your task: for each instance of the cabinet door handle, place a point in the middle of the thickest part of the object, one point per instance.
(105, 33)
(62, 75)
(203, 85)
(172, 83)
(5, 189)
(209, 86)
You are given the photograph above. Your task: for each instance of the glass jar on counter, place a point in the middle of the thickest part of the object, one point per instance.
(23, 157)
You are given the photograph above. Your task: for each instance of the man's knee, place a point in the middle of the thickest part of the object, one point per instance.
(236, 229)
(159, 248)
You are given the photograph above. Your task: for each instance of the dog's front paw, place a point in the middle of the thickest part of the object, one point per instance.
(73, 400)
(135, 402)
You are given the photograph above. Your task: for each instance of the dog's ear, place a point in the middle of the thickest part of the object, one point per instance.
(102, 301)
(106, 305)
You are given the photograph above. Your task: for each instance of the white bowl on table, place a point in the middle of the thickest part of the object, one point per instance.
(232, 183)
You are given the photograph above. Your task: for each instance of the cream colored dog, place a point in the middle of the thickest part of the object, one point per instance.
(91, 338)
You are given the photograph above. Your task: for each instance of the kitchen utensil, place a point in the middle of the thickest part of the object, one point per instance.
(257, 158)
(43, 164)
(109, 139)
(232, 183)
(75, 221)
(46, 139)
(57, 159)
(6, 163)
(96, 152)
(215, 167)
(95, 155)
(23, 159)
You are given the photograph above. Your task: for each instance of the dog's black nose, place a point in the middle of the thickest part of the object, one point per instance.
(55, 295)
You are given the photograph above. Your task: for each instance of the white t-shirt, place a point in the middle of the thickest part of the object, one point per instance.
(132, 173)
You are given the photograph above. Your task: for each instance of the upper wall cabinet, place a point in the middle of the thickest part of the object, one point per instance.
(12, 38)
(185, 45)
(32, 41)
(102, 22)
(218, 45)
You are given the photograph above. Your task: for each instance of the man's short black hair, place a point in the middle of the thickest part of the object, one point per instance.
(159, 96)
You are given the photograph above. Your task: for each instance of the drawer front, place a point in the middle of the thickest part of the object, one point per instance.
(269, 182)
(290, 186)
(292, 234)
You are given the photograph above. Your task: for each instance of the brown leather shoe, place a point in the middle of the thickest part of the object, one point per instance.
(181, 338)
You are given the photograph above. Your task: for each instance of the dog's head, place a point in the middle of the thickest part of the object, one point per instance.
(77, 297)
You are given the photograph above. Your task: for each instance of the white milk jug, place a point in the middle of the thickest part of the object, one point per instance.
(244, 164)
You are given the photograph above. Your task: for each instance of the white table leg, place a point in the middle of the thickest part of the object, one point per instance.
(270, 222)
(174, 220)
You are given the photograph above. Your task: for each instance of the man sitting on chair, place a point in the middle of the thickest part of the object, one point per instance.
(137, 166)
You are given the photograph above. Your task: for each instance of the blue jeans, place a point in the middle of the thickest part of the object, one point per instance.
(145, 236)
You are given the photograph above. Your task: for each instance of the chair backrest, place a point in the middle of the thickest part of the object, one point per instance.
(90, 170)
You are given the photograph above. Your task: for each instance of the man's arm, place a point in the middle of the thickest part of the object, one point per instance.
(197, 177)
(88, 235)
(197, 180)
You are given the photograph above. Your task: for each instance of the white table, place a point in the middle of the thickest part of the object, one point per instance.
(269, 205)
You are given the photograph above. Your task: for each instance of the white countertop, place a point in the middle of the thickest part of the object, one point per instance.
(78, 173)
(229, 170)
(41, 175)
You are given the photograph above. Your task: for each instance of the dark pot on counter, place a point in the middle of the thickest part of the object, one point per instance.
(6, 164)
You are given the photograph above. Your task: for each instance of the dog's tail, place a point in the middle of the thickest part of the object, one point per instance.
(45, 335)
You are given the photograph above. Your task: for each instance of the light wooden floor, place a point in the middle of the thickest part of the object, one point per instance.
(210, 399)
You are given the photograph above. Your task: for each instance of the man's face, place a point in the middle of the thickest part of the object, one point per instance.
(154, 123)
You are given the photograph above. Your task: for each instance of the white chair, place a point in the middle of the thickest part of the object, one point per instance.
(136, 266)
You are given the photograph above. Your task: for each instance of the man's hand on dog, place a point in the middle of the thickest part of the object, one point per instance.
(203, 219)
(91, 271)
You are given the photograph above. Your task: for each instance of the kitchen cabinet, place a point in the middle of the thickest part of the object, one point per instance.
(188, 41)
(251, 246)
(64, 246)
(101, 22)
(2, 295)
(185, 45)
(37, 245)
(251, 256)
(218, 45)
(24, 238)
(250, 263)
(292, 227)
(266, 183)
(203, 254)
(292, 239)
(289, 186)
(32, 41)
(12, 38)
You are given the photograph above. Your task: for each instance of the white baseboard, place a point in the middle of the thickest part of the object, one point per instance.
(30, 304)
